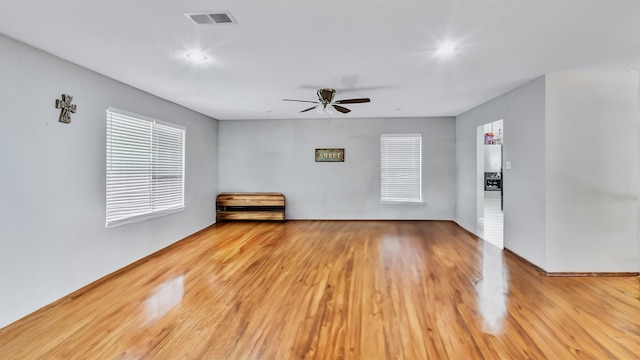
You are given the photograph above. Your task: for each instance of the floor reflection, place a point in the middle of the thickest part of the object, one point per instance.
(493, 219)
(165, 297)
(492, 289)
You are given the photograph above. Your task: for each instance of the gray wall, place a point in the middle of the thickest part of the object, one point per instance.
(571, 197)
(53, 238)
(278, 155)
(523, 111)
(592, 172)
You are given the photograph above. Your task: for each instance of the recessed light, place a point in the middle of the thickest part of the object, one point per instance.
(446, 48)
(196, 57)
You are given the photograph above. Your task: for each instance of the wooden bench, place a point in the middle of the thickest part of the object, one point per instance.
(250, 206)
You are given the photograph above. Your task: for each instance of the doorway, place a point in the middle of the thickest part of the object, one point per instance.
(490, 206)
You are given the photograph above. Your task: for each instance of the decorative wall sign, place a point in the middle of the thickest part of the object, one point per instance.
(329, 155)
(67, 108)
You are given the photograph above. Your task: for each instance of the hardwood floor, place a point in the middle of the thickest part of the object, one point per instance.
(334, 290)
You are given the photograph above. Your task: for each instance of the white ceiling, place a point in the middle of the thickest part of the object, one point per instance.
(380, 49)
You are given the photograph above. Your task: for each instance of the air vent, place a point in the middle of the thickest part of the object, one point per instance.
(218, 17)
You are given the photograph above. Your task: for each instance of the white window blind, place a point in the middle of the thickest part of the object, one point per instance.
(401, 168)
(145, 168)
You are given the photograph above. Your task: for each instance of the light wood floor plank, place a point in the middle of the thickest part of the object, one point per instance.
(334, 290)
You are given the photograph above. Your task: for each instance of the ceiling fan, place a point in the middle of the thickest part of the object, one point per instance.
(325, 101)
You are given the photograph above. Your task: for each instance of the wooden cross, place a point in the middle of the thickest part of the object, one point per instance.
(67, 108)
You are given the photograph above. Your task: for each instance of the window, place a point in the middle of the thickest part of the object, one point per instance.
(401, 168)
(145, 168)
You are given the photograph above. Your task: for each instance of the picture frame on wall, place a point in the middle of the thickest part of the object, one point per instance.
(330, 155)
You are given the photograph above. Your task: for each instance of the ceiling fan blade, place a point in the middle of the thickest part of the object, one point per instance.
(311, 108)
(353, 101)
(307, 101)
(342, 109)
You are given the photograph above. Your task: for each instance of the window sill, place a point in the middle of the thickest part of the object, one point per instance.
(402, 202)
(144, 217)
